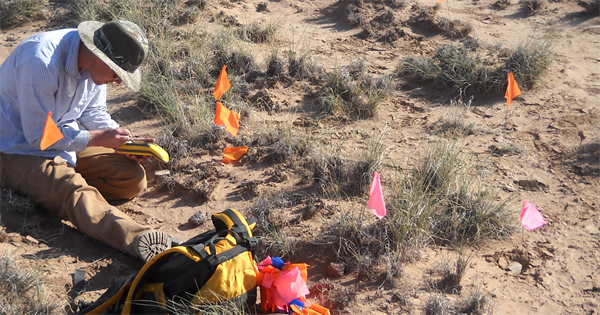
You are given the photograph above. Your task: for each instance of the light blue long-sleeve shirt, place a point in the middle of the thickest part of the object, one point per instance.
(42, 75)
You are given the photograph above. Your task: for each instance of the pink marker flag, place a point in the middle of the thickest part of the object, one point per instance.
(289, 286)
(376, 203)
(531, 218)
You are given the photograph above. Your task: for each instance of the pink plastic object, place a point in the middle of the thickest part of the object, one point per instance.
(531, 218)
(376, 203)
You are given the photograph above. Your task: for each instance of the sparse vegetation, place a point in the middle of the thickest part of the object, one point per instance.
(334, 174)
(22, 291)
(272, 228)
(443, 197)
(453, 123)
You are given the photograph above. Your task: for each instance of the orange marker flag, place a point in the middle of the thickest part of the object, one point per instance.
(512, 90)
(440, 1)
(51, 133)
(227, 118)
(222, 84)
(233, 154)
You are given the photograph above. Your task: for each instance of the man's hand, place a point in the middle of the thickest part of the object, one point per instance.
(109, 138)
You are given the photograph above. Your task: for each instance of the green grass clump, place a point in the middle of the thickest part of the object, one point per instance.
(16, 12)
(528, 62)
(421, 69)
(442, 200)
(22, 291)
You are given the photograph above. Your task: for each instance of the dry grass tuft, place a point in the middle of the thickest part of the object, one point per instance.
(22, 291)
(452, 124)
(352, 91)
(468, 72)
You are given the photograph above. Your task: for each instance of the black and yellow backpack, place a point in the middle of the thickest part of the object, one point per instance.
(212, 267)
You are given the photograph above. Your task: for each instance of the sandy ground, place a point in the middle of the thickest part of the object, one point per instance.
(554, 125)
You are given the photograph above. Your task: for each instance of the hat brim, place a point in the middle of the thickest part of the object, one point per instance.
(86, 32)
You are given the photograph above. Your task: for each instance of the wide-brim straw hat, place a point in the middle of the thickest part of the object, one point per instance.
(120, 44)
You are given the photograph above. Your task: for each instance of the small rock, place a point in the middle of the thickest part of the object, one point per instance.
(162, 172)
(514, 267)
(336, 270)
(502, 263)
(197, 219)
(15, 237)
(30, 240)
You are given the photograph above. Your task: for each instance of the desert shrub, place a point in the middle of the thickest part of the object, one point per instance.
(462, 70)
(534, 6)
(352, 235)
(350, 90)
(451, 272)
(17, 12)
(300, 66)
(22, 291)
(452, 66)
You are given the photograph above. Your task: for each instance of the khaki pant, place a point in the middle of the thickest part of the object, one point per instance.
(80, 194)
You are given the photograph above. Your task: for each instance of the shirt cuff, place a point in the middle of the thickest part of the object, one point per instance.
(80, 142)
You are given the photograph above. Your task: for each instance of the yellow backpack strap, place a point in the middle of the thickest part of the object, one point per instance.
(148, 270)
(232, 220)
